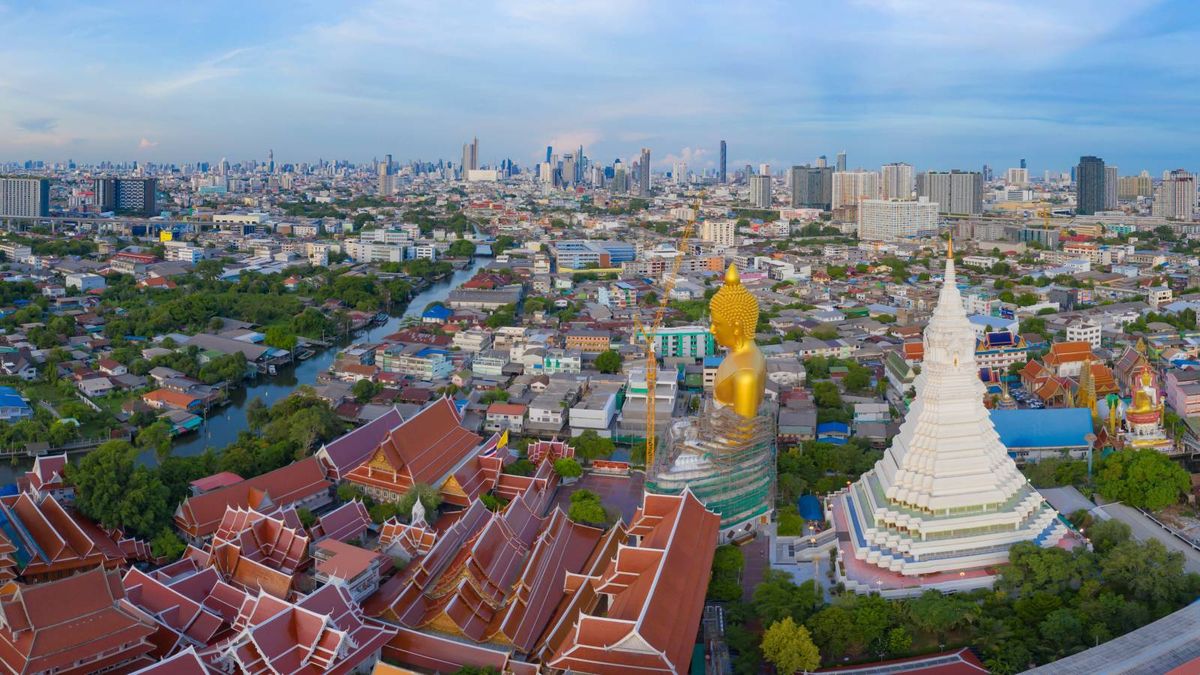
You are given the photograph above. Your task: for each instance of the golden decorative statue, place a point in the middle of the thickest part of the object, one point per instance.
(742, 376)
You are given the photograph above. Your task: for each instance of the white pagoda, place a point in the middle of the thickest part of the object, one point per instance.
(946, 500)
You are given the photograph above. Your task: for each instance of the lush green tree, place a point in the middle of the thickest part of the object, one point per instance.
(832, 630)
(431, 499)
(461, 248)
(364, 390)
(790, 648)
(899, 641)
(156, 437)
(167, 544)
(280, 337)
(111, 488)
(1107, 534)
(724, 582)
(608, 361)
(590, 445)
(307, 519)
(587, 508)
(567, 467)
(778, 596)
(936, 614)
(1063, 629)
(1143, 478)
(521, 467)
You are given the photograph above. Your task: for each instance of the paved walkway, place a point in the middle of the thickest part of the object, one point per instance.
(757, 563)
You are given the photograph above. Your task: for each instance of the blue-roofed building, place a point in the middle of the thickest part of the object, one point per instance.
(1000, 349)
(436, 314)
(836, 433)
(1033, 434)
(13, 406)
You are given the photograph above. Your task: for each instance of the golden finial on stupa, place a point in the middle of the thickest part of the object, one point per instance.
(950, 244)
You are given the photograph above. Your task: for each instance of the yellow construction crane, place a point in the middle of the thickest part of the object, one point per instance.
(651, 335)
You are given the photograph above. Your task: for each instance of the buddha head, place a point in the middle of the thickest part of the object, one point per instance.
(734, 312)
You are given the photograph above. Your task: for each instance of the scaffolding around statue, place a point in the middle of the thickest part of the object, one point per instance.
(727, 461)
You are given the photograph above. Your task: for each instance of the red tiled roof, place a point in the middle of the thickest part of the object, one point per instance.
(217, 480)
(348, 521)
(353, 448)
(656, 593)
(55, 624)
(199, 516)
(176, 399)
(185, 662)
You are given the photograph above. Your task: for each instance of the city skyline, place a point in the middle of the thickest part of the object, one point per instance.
(991, 83)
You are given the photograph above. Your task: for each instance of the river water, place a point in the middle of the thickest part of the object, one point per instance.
(227, 422)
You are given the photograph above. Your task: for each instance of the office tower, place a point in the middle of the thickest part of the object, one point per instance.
(568, 169)
(474, 154)
(386, 187)
(821, 162)
(644, 173)
(896, 181)
(841, 161)
(764, 169)
(679, 172)
(812, 187)
(719, 232)
(24, 197)
(1023, 163)
(223, 167)
(851, 187)
(1089, 186)
(270, 161)
(958, 192)
(721, 177)
(760, 192)
(1110, 187)
(1176, 198)
(620, 181)
(1017, 177)
(127, 195)
(893, 219)
(748, 172)
(549, 151)
(986, 173)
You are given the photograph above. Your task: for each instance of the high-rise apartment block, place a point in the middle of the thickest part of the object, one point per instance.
(1176, 198)
(893, 219)
(896, 181)
(851, 187)
(644, 173)
(722, 176)
(470, 157)
(841, 161)
(811, 187)
(958, 192)
(1017, 177)
(1131, 187)
(1110, 187)
(760, 191)
(1089, 186)
(127, 195)
(24, 197)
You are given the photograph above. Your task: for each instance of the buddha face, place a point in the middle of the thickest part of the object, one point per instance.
(727, 333)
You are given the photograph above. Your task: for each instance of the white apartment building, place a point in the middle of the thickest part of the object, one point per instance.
(719, 232)
(894, 219)
(1017, 177)
(362, 251)
(1084, 330)
(853, 187)
(897, 181)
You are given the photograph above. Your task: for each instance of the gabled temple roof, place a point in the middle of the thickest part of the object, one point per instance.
(200, 516)
(341, 455)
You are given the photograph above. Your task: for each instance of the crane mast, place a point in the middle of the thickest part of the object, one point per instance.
(651, 335)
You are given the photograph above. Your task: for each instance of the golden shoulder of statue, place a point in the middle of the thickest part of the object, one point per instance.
(742, 375)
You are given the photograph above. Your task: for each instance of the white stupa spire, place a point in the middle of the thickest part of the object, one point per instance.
(946, 495)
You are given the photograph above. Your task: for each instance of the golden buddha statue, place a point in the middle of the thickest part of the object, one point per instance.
(742, 376)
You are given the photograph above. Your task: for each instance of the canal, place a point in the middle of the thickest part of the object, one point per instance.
(227, 422)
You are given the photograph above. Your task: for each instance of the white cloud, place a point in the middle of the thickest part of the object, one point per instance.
(215, 68)
(147, 144)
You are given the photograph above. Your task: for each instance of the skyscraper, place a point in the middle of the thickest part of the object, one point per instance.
(722, 177)
(549, 152)
(1089, 185)
(24, 197)
(270, 161)
(959, 192)
(821, 162)
(620, 182)
(386, 188)
(897, 181)
(812, 187)
(644, 172)
(760, 191)
(1176, 198)
(1110, 187)
(841, 161)
(127, 195)
(851, 187)
(1023, 163)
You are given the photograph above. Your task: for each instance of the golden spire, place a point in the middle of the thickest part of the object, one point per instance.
(950, 244)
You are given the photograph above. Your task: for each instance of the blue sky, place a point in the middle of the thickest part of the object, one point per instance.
(937, 83)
